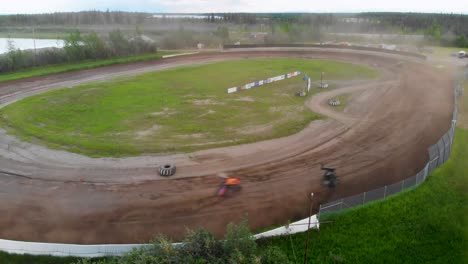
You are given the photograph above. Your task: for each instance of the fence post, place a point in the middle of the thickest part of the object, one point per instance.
(443, 152)
(318, 214)
(426, 169)
(385, 192)
(364, 198)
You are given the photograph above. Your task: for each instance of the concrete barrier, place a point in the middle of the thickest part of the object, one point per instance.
(93, 251)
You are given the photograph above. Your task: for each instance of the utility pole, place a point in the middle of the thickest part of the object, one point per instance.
(308, 230)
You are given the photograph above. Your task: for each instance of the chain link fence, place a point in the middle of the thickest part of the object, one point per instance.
(439, 153)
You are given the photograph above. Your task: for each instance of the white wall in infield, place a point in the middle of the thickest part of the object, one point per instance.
(92, 251)
(262, 82)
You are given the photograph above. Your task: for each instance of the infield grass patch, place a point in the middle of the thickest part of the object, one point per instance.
(177, 110)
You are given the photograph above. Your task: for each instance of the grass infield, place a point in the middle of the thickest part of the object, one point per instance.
(179, 110)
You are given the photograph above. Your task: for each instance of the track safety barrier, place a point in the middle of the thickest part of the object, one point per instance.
(178, 54)
(262, 82)
(94, 251)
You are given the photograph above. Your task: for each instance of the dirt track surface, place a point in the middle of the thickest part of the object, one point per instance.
(380, 138)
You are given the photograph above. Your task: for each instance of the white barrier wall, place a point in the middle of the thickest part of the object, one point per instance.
(179, 54)
(293, 228)
(93, 251)
(262, 82)
(62, 250)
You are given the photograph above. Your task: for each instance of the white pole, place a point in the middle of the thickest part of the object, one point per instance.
(34, 43)
(321, 80)
(308, 229)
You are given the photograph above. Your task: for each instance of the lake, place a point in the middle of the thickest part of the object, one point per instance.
(23, 44)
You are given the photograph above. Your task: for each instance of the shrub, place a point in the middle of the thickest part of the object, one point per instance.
(201, 247)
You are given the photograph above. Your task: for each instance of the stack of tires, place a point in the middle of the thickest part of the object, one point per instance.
(334, 102)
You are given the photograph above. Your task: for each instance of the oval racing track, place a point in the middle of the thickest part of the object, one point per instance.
(380, 138)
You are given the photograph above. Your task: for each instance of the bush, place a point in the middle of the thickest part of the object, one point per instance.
(201, 247)
(461, 42)
(273, 255)
(239, 243)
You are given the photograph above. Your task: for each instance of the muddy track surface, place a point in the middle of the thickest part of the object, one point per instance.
(380, 138)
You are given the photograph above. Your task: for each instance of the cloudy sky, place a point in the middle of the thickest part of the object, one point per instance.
(199, 6)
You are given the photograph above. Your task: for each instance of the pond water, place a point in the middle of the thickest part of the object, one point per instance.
(24, 44)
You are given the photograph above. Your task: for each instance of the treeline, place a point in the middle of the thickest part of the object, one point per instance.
(74, 18)
(77, 47)
(279, 18)
(416, 22)
(439, 29)
(444, 29)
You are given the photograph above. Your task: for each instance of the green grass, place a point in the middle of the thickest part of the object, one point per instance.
(463, 108)
(178, 110)
(6, 258)
(424, 225)
(39, 71)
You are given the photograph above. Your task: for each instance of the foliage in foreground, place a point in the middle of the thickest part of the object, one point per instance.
(425, 225)
(200, 246)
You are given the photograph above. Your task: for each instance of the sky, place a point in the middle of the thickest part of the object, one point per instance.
(206, 6)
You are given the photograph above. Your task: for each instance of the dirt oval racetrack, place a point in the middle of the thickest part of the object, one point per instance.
(380, 138)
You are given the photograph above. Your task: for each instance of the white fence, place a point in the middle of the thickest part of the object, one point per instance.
(92, 251)
(62, 250)
(178, 54)
(262, 82)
